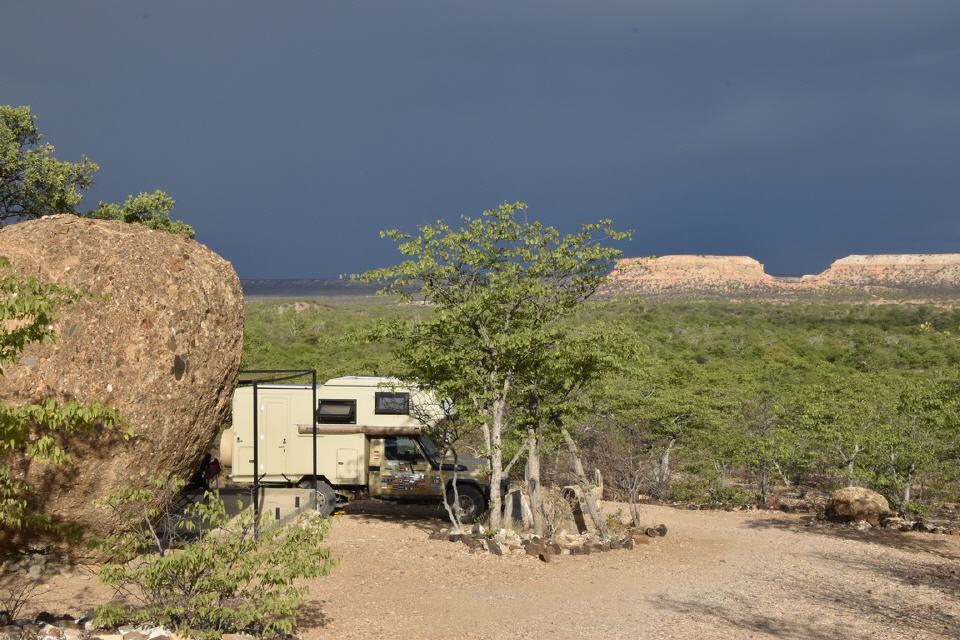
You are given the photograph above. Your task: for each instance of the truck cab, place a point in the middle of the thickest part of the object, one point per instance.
(371, 442)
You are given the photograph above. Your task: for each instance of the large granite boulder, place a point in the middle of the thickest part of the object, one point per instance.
(853, 504)
(157, 334)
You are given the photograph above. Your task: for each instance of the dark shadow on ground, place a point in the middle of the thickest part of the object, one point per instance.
(429, 518)
(850, 603)
(937, 544)
(311, 615)
(933, 565)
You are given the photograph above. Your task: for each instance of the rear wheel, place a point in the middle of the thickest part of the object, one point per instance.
(471, 504)
(326, 497)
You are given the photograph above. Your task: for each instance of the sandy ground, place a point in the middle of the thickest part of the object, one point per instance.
(716, 575)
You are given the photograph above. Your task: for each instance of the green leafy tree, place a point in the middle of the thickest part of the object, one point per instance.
(499, 285)
(33, 433)
(33, 183)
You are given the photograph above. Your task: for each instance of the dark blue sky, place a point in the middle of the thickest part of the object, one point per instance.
(291, 132)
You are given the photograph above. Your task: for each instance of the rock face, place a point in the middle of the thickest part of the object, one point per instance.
(852, 504)
(917, 271)
(733, 275)
(683, 274)
(157, 334)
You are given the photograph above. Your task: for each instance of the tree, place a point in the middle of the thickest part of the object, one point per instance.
(554, 387)
(31, 433)
(33, 183)
(499, 286)
(149, 209)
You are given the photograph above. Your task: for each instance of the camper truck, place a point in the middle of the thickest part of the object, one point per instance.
(370, 443)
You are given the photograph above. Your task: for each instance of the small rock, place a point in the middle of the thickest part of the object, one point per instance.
(50, 632)
(135, 635)
(651, 532)
(494, 547)
(662, 530)
(472, 542)
(921, 526)
(628, 543)
(544, 557)
(45, 617)
(237, 636)
(478, 530)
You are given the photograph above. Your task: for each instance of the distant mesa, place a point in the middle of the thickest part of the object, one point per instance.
(683, 274)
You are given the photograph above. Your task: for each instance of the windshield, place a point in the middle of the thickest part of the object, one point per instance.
(429, 448)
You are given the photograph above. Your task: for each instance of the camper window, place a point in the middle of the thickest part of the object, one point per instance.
(397, 404)
(337, 412)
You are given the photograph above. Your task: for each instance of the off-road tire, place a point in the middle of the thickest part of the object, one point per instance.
(472, 502)
(326, 497)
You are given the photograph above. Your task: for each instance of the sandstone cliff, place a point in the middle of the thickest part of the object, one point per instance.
(910, 271)
(733, 275)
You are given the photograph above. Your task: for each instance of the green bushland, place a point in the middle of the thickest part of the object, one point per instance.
(724, 402)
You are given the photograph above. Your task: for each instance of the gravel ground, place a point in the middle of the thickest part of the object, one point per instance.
(715, 575)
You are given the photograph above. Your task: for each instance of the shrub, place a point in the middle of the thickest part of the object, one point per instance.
(224, 580)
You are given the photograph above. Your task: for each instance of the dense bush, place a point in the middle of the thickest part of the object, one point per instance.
(221, 577)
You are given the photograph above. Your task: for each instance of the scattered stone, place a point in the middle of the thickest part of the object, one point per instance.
(494, 547)
(135, 635)
(920, 526)
(651, 532)
(662, 530)
(544, 557)
(50, 632)
(478, 530)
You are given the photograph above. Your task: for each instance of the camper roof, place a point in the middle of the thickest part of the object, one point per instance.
(364, 381)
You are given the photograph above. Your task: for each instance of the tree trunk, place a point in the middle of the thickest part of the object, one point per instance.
(533, 481)
(453, 510)
(496, 462)
(663, 473)
(764, 486)
(906, 492)
(632, 502)
(584, 483)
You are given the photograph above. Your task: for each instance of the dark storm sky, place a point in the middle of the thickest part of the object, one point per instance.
(291, 132)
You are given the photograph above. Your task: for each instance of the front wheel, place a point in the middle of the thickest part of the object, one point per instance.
(471, 503)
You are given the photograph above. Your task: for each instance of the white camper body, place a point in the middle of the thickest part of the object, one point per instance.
(351, 410)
